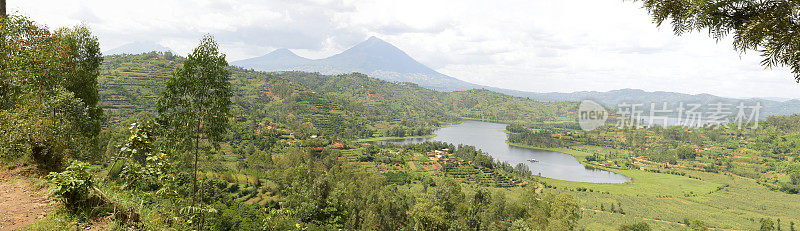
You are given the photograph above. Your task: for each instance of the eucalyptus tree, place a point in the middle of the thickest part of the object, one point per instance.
(195, 103)
(41, 114)
(771, 27)
(84, 68)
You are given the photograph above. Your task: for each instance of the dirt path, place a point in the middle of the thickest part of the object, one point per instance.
(20, 204)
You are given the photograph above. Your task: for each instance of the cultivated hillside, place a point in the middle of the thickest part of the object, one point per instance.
(380, 59)
(350, 105)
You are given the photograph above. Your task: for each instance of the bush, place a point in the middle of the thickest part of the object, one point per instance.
(72, 185)
(641, 226)
(685, 152)
(795, 178)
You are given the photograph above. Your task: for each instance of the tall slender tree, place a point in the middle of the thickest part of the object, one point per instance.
(195, 102)
(83, 70)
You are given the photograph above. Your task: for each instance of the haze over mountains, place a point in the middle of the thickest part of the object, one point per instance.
(382, 60)
(135, 48)
(373, 57)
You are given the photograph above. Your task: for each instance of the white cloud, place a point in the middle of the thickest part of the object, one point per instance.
(539, 45)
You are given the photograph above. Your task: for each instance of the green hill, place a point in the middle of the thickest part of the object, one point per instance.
(349, 106)
(475, 104)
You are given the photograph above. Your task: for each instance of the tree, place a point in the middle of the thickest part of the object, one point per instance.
(450, 197)
(387, 209)
(428, 216)
(564, 212)
(685, 152)
(795, 178)
(479, 203)
(42, 118)
(769, 27)
(196, 99)
(83, 70)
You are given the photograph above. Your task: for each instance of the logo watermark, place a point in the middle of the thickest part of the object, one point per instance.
(592, 115)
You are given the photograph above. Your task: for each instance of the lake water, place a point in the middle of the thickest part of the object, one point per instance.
(491, 138)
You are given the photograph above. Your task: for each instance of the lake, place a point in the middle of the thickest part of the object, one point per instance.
(491, 138)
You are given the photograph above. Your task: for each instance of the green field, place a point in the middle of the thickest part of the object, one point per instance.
(722, 201)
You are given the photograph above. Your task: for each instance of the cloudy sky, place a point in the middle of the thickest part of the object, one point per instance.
(529, 45)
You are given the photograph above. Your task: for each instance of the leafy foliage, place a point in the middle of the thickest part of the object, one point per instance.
(197, 96)
(41, 117)
(84, 69)
(195, 103)
(346, 106)
(72, 185)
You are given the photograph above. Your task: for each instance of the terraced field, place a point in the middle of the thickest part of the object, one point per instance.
(667, 201)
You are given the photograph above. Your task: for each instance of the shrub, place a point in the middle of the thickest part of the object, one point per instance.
(72, 185)
(641, 226)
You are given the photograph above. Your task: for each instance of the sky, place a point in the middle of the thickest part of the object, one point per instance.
(528, 45)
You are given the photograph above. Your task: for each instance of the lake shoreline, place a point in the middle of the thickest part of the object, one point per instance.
(581, 157)
(492, 138)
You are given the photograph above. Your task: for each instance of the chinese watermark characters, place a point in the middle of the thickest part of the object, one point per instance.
(633, 115)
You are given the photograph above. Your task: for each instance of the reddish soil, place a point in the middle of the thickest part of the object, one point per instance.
(20, 203)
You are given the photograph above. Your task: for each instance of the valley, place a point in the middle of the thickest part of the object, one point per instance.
(143, 138)
(692, 195)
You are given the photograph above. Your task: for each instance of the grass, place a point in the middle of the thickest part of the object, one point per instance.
(57, 219)
(722, 201)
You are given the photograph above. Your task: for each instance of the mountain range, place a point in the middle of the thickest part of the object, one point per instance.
(382, 60)
(373, 57)
(613, 99)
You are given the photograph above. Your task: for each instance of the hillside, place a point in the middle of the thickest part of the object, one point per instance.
(380, 59)
(470, 104)
(613, 98)
(351, 105)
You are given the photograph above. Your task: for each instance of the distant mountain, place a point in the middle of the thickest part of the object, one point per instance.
(280, 59)
(381, 60)
(377, 55)
(373, 57)
(779, 99)
(136, 48)
(612, 99)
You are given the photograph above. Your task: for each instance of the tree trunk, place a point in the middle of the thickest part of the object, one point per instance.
(196, 156)
(3, 8)
(196, 150)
